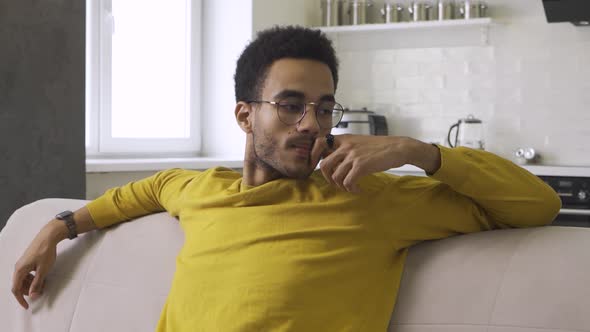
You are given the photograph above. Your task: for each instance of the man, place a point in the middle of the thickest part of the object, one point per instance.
(286, 248)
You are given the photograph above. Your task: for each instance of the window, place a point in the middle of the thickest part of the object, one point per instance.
(142, 77)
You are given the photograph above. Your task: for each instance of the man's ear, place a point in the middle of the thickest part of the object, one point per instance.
(244, 116)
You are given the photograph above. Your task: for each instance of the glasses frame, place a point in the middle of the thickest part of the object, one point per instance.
(276, 104)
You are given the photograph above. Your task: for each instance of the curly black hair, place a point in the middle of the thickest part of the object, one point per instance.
(276, 43)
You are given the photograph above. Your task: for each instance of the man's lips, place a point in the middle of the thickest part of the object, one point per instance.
(302, 149)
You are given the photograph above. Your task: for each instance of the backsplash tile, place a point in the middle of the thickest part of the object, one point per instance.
(457, 67)
(382, 74)
(419, 55)
(472, 53)
(383, 56)
(421, 110)
(408, 96)
(402, 69)
(419, 82)
(477, 67)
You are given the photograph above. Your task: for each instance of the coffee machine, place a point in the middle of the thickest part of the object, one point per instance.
(361, 122)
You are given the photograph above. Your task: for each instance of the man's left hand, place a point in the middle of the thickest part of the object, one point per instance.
(354, 156)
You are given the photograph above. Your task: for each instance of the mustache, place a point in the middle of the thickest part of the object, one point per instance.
(303, 141)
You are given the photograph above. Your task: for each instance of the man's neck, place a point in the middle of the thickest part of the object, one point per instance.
(257, 173)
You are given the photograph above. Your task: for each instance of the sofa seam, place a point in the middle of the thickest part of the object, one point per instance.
(83, 281)
(489, 325)
(501, 286)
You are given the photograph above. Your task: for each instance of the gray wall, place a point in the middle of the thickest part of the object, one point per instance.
(42, 147)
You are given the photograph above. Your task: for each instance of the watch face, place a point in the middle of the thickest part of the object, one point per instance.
(64, 214)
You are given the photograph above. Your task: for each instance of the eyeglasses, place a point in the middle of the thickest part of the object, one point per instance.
(328, 113)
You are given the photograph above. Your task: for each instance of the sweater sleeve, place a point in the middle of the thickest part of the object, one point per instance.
(157, 193)
(472, 191)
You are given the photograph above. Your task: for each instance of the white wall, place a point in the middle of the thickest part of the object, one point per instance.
(267, 13)
(227, 29)
(98, 183)
(529, 85)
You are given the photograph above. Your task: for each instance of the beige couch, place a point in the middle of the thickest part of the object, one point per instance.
(521, 280)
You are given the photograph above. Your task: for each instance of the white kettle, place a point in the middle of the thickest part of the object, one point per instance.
(469, 133)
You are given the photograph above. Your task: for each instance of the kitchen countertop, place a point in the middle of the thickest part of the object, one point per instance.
(132, 165)
(547, 170)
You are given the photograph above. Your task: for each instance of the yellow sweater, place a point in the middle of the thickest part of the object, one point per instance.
(301, 255)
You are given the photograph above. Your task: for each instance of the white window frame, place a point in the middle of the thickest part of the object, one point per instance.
(100, 143)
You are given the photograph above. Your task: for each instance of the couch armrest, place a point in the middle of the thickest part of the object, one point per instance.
(115, 279)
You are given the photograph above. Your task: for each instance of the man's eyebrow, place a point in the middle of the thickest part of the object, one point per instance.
(298, 94)
(327, 97)
(289, 93)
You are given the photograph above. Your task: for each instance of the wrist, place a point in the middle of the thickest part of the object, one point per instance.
(425, 156)
(56, 231)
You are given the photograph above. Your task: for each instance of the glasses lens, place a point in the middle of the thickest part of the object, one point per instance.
(329, 114)
(290, 111)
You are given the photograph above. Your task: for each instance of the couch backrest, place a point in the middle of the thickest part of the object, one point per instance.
(514, 280)
(117, 280)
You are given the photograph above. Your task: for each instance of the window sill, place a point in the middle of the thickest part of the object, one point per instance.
(157, 164)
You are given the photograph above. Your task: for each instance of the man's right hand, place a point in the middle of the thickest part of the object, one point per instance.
(38, 257)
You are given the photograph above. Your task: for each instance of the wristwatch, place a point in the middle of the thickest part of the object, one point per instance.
(68, 218)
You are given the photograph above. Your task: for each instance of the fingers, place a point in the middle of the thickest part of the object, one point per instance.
(319, 146)
(25, 283)
(340, 174)
(337, 167)
(351, 179)
(320, 149)
(346, 176)
(37, 285)
(330, 164)
(18, 283)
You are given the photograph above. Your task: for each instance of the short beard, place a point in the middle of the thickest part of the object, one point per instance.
(264, 158)
(260, 162)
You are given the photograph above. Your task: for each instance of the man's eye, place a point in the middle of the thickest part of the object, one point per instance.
(325, 111)
(291, 107)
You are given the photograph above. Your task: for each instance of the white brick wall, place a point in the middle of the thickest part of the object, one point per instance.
(530, 85)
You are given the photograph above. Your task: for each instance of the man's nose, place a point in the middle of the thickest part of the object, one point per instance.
(309, 122)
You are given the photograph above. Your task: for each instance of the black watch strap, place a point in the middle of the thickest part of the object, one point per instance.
(68, 218)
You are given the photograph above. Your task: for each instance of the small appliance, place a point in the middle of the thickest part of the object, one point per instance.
(361, 122)
(469, 133)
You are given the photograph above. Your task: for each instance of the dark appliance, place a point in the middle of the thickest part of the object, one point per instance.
(575, 11)
(575, 199)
